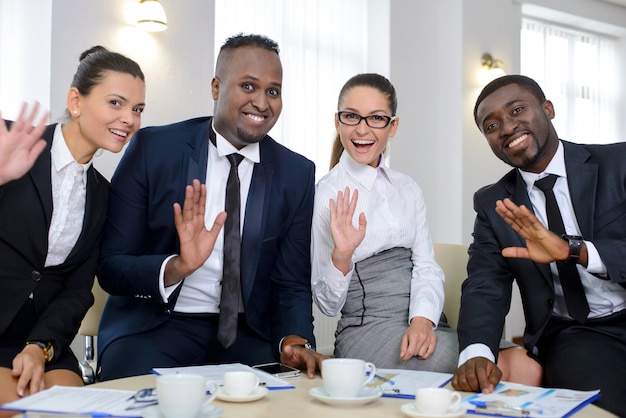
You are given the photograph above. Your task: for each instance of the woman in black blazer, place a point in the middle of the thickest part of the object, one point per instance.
(52, 209)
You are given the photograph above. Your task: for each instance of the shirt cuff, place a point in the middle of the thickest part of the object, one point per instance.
(166, 292)
(475, 350)
(594, 262)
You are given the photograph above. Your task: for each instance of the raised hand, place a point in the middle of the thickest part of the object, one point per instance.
(196, 242)
(346, 237)
(21, 145)
(542, 245)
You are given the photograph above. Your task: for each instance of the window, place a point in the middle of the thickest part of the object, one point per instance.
(578, 73)
(319, 48)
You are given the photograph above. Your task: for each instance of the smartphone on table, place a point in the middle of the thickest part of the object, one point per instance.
(278, 369)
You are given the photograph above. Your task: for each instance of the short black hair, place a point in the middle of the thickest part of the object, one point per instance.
(524, 82)
(240, 40)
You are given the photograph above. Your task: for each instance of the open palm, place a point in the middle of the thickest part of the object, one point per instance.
(21, 144)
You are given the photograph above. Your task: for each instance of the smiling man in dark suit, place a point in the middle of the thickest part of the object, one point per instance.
(164, 263)
(581, 343)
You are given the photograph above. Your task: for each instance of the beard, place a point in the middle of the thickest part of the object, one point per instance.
(529, 162)
(249, 138)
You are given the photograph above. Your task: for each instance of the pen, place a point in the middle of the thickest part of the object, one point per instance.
(498, 407)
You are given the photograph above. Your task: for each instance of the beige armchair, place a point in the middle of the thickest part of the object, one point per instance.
(452, 258)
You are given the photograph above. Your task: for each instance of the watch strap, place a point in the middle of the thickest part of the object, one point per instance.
(48, 349)
(295, 340)
(575, 246)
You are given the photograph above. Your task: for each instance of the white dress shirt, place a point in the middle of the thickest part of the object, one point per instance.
(604, 297)
(396, 217)
(67, 214)
(202, 289)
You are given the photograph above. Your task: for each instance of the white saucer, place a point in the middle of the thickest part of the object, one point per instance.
(258, 393)
(207, 412)
(410, 410)
(365, 396)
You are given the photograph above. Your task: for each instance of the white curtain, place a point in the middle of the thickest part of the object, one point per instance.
(578, 73)
(322, 44)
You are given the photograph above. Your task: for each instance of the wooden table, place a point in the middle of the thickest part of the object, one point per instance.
(298, 403)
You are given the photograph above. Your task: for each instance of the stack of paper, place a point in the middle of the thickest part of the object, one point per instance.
(515, 400)
(216, 372)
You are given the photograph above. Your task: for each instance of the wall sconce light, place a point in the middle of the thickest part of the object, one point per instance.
(151, 16)
(493, 66)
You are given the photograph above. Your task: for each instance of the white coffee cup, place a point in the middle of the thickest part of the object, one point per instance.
(345, 377)
(183, 395)
(240, 383)
(436, 400)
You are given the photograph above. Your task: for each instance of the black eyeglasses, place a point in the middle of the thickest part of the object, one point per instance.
(373, 121)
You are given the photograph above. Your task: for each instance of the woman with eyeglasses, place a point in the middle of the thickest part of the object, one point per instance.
(52, 209)
(372, 255)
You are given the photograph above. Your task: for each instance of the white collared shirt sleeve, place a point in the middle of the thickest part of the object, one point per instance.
(594, 262)
(475, 350)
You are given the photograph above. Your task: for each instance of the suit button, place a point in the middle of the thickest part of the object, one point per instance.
(167, 311)
(36, 276)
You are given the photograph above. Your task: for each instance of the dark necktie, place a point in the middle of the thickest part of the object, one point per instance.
(573, 291)
(231, 287)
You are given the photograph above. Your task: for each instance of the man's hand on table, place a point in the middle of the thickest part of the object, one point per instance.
(302, 358)
(477, 374)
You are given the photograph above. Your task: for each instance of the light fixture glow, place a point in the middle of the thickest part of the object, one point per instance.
(493, 66)
(151, 16)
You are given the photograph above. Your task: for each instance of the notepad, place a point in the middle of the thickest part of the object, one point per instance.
(514, 400)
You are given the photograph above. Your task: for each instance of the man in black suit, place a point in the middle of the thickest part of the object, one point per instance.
(512, 242)
(163, 264)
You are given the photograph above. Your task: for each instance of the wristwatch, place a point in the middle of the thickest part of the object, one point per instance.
(575, 245)
(296, 341)
(48, 349)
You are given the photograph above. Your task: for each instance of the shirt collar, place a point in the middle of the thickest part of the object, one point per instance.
(364, 174)
(60, 153)
(555, 166)
(224, 148)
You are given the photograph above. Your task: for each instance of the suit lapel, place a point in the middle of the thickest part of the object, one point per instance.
(41, 176)
(582, 180)
(196, 157)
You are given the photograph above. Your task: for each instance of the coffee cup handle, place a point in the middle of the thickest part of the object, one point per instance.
(211, 387)
(455, 400)
(371, 372)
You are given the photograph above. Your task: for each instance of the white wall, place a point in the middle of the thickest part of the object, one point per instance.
(177, 63)
(27, 45)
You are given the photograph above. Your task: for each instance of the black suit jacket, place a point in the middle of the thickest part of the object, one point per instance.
(140, 233)
(597, 184)
(62, 294)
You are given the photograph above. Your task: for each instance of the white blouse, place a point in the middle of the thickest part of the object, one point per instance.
(396, 217)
